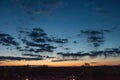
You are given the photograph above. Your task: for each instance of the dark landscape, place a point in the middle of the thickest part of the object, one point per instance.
(60, 73)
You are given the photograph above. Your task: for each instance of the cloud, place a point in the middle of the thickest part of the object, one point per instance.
(95, 37)
(78, 54)
(75, 42)
(93, 54)
(37, 40)
(49, 57)
(3, 58)
(95, 32)
(44, 7)
(38, 56)
(37, 49)
(33, 55)
(61, 60)
(61, 41)
(7, 40)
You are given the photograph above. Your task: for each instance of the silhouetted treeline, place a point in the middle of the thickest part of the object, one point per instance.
(79, 73)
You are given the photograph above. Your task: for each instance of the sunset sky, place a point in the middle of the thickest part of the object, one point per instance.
(59, 32)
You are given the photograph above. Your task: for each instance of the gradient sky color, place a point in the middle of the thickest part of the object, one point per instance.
(64, 19)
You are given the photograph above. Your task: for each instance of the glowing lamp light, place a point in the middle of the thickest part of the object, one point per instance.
(26, 78)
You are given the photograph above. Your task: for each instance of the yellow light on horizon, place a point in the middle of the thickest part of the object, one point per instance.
(26, 78)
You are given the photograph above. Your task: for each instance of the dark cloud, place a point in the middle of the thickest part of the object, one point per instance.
(3, 58)
(38, 56)
(37, 34)
(37, 40)
(7, 40)
(33, 55)
(95, 37)
(93, 54)
(37, 49)
(31, 41)
(78, 54)
(61, 41)
(49, 57)
(75, 42)
(94, 32)
(67, 48)
(61, 60)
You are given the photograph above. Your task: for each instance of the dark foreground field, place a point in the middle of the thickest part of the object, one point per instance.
(60, 73)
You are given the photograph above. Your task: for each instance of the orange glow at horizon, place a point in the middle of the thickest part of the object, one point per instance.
(43, 62)
(110, 61)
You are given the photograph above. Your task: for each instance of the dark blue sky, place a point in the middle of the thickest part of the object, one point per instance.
(63, 19)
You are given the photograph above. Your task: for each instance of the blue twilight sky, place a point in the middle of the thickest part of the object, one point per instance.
(62, 19)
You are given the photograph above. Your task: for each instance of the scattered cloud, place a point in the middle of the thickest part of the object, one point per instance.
(61, 60)
(38, 56)
(33, 55)
(37, 40)
(44, 7)
(93, 54)
(95, 37)
(34, 40)
(7, 40)
(3, 58)
(75, 42)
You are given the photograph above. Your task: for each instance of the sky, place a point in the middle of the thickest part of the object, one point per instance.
(59, 32)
